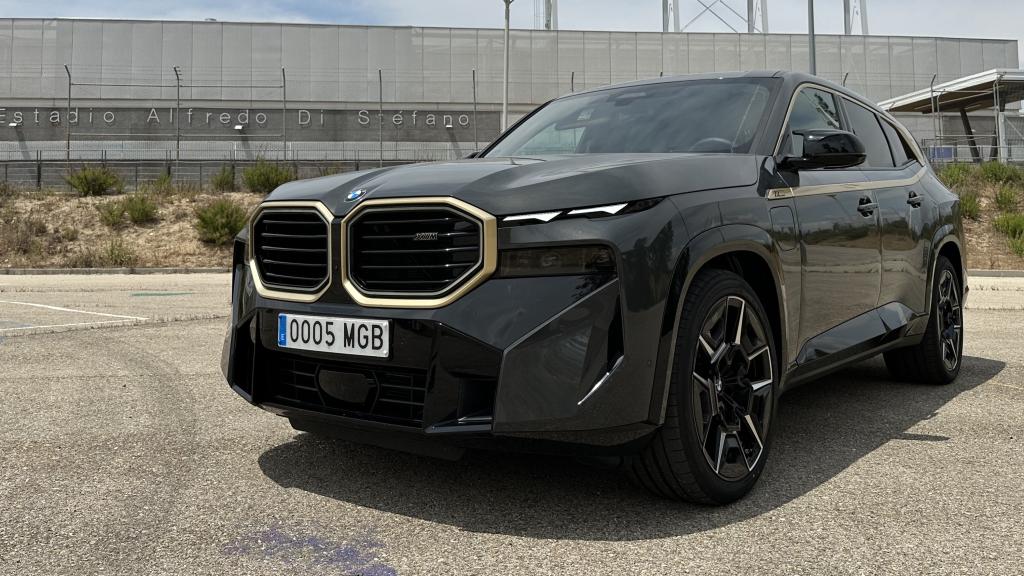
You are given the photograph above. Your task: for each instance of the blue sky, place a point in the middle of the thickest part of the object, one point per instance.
(966, 18)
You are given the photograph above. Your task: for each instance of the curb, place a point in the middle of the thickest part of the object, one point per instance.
(90, 271)
(996, 273)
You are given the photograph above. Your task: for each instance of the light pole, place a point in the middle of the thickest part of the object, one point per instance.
(810, 37)
(504, 97)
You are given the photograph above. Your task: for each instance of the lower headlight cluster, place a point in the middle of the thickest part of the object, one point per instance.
(556, 261)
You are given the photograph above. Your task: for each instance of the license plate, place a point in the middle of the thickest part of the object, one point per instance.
(339, 335)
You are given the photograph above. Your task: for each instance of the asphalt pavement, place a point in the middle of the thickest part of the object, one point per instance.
(124, 452)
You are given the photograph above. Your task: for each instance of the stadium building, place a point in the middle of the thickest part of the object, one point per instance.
(151, 90)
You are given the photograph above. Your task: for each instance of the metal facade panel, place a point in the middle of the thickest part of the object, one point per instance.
(463, 62)
(777, 53)
(56, 51)
(853, 52)
(727, 52)
(6, 56)
(266, 61)
(27, 58)
(236, 62)
(438, 73)
(926, 64)
(799, 54)
(521, 67)
(879, 85)
(993, 54)
(354, 71)
(489, 53)
(295, 57)
(381, 56)
(87, 57)
(622, 54)
(649, 54)
(207, 49)
(409, 64)
(544, 69)
(324, 68)
(177, 51)
(948, 59)
(752, 52)
(971, 60)
(675, 54)
(901, 64)
(147, 58)
(596, 59)
(570, 61)
(702, 53)
(829, 59)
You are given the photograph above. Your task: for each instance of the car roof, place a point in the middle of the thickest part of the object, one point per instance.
(792, 78)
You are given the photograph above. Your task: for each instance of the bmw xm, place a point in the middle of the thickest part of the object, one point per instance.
(636, 271)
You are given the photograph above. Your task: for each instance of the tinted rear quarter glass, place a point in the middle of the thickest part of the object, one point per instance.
(864, 123)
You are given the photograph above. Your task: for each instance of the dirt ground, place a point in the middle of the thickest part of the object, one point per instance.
(74, 234)
(68, 232)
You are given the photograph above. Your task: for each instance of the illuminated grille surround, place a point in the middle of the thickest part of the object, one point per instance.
(276, 292)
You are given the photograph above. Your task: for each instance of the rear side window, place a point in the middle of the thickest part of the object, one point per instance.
(864, 124)
(902, 153)
(813, 109)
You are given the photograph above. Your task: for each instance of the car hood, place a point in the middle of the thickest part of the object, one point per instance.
(504, 186)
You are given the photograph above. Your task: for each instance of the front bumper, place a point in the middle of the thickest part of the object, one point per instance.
(546, 362)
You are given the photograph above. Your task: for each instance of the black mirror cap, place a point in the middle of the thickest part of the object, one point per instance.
(828, 149)
(473, 154)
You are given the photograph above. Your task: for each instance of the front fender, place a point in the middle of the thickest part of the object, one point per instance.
(698, 252)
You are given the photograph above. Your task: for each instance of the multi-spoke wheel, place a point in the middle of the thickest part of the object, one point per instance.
(713, 444)
(732, 373)
(936, 359)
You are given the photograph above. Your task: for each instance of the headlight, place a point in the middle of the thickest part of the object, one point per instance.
(556, 261)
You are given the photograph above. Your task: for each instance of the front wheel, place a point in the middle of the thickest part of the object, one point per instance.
(714, 442)
(936, 359)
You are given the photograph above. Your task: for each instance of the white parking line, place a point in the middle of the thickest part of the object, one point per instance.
(130, 320)
(59, 309)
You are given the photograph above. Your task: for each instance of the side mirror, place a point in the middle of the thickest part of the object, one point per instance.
(473, 154)
(827, 149)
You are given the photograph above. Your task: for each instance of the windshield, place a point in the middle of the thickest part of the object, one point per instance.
(715, 115)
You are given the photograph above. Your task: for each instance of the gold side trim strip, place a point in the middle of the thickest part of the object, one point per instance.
(267, 292)
(489, 246)
(779, 193)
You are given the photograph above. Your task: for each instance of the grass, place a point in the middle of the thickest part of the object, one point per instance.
(956, 175)
(263, 177)
(219, 221)
(970, 205)
(115, 254)
(1006, 198)
(140, 208)
(224, 181)
(22, 235)
(111, 213)
(1010, 224)
(94, 181)
(999, 173)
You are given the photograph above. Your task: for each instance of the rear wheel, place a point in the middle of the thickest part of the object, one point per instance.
(936, 359)
(714, 442)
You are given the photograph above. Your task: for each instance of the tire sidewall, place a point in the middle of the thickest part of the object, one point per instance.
(699, 304)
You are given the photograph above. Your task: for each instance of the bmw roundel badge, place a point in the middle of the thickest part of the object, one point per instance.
(355, 195)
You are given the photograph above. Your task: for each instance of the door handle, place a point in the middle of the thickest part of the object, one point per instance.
(913, 199)
(866, 207)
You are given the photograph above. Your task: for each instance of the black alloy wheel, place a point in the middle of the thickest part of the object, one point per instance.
(732, 389)
(936, 359)
(714, 442)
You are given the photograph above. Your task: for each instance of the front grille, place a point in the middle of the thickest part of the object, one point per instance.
(290, 247)
(394, 396)
(423, 251)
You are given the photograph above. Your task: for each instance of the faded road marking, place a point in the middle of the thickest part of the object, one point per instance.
(59, 309)
(356, 556)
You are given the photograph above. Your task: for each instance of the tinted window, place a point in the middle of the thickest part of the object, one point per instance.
(864, 124)
(693, 116)
(813, 110)
(901, 150)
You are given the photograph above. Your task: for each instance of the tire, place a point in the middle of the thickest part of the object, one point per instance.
(936, 359)
(707, 451)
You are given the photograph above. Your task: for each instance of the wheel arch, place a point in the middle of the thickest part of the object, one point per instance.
(742, 248)
(947, 243)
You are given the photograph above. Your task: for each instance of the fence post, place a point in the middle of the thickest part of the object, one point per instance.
(39, 169)
(136, 177)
